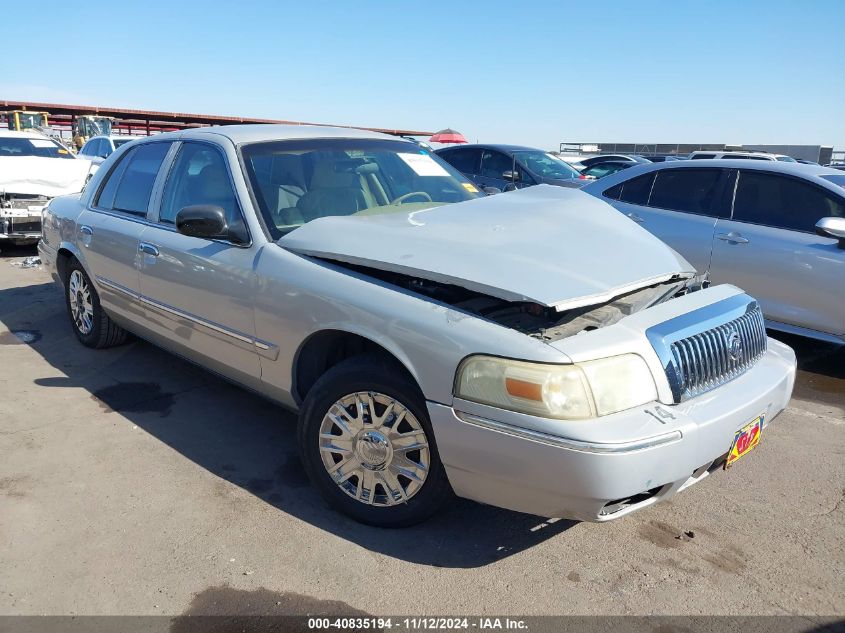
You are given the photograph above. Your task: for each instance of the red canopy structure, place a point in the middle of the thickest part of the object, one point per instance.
(448, 136)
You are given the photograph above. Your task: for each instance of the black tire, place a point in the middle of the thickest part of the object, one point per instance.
(370, 373)
(103, 332)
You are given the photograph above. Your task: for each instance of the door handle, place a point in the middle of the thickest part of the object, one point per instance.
(148, 249)
(732, 237)
(86, 230)
(636, 218)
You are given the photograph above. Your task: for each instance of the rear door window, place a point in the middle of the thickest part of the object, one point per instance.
(464, 160)
(783, 202)
(129, 185)
(687, 190)
(637, 190)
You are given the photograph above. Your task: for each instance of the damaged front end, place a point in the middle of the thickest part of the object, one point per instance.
(20, 217)
(533, 319)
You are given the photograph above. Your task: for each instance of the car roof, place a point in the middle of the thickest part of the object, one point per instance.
(116, 137)
(797, 169)
(794, 169)
(497, 146)
(16, 134)
(257, 132)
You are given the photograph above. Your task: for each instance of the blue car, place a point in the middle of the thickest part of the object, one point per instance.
(510, 166)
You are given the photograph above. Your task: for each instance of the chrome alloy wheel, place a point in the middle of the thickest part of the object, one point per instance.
(374, 449)
(81, 308)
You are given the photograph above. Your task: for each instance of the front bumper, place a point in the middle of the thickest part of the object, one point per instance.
(20, 227)
(489, 459)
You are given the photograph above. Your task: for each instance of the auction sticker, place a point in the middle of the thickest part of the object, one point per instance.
(423, 165)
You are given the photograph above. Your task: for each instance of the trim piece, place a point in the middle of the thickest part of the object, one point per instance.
(604, 448)
(263, 348)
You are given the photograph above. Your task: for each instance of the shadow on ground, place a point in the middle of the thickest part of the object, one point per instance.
(244, 439)
(821, 369)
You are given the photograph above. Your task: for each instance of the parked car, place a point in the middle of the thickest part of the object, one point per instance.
(839, 166)
(509, 166)
(507, 348)
(734, 155)
(99, 148)
(665, 158)
(33, 169)
(605, 168)
(775, 229)
(633, 159)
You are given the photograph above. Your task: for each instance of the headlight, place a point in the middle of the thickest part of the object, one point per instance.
(567, 392)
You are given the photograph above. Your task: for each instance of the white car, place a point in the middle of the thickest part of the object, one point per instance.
(750, 155)
(99, 148)
(33, 169)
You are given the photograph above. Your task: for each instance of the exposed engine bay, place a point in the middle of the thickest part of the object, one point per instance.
(20, 216)
(533, 319)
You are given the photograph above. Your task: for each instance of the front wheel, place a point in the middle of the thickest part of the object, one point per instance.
(367, 445)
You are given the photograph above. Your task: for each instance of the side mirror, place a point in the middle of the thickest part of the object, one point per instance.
(491, 190)
(512, 176)
(202, 220)
(832, 227)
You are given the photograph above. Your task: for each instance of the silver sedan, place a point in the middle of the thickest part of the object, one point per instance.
(433, 339)
(775, 229)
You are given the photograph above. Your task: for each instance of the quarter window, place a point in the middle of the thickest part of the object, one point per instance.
(688, 190)
(129, 185)
(199, 176)
(785, 203)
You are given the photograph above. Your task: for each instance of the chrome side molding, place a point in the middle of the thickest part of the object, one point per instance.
(263, 348)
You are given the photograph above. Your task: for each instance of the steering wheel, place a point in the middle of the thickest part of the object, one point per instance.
(421, 194)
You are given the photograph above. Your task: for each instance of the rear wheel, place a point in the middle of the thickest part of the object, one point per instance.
(367, 445)
(90, 323)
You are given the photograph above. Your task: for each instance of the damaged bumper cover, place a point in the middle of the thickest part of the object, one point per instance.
(20, 218)
(494, 456)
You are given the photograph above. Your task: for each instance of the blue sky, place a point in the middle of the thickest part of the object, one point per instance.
(538, 73)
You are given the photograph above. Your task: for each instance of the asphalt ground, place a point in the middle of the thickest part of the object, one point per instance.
(132, 482)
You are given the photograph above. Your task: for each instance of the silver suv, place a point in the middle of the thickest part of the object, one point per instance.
(433, 339)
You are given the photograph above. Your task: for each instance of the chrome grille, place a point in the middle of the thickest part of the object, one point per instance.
(711, 358)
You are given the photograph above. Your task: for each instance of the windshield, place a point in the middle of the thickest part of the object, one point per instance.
(836, 179)
(98, 126)
(121, 141)
(31, 119)
(44, 147)
(545, 165)
(295, 182)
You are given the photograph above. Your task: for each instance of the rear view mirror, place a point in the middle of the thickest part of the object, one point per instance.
(832, 227)
(202, 220)
(512, 176)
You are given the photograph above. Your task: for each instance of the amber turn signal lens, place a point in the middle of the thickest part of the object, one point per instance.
(523, 389)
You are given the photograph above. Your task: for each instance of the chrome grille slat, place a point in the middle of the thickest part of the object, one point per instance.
(706, 360)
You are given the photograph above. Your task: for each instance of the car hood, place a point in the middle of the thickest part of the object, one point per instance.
(554, 246)
(42, 176)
